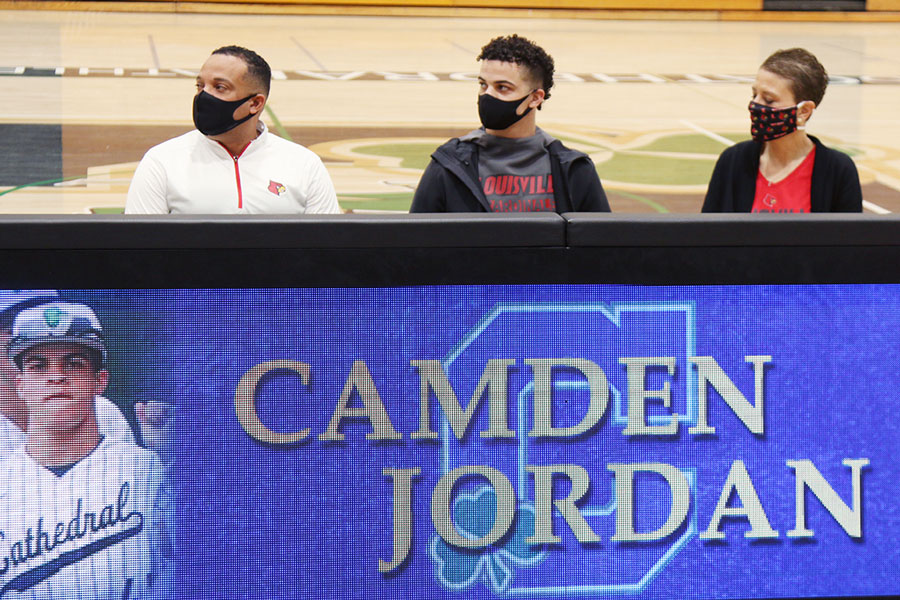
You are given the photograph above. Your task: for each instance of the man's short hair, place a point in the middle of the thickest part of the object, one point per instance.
(806, 74)
(257, 68)
(525, 53)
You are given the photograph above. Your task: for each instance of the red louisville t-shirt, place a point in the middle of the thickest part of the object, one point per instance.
(791, 194)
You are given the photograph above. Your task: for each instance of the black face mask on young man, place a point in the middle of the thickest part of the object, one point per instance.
(500, 114)
(213, 116)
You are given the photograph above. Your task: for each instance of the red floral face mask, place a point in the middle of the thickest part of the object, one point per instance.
(767, 123)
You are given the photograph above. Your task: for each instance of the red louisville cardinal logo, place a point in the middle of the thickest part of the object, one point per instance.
(276, 188)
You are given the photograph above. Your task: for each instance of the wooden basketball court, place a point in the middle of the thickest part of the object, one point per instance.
(654, 102)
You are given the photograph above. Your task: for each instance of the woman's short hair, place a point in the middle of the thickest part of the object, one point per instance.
(806, 74)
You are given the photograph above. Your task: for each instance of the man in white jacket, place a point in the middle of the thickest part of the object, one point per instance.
(231, 164)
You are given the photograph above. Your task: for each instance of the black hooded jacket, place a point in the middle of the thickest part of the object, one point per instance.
(450, 182)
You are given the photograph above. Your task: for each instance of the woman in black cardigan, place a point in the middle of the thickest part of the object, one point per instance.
(784, 170)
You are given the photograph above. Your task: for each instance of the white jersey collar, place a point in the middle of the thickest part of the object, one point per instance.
(260, 140)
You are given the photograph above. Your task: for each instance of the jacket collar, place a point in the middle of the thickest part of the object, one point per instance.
(258, 142)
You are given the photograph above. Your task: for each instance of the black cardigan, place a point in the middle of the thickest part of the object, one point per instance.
(834, 187)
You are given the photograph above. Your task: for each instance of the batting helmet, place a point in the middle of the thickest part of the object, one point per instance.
(54, 323)
(12, 301)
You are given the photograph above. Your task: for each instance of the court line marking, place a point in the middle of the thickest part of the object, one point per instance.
(411, 187)
(309, 54)
(883, 179)
(37, 183)
(878, 210)
(276, 123)
(707, 133)
(646, 201)
(153, 53)
(862, 53)
(870, 206)
(467, 51)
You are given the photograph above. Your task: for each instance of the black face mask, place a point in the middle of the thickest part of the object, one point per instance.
(213, 116)
(500, 114)
(767, 123)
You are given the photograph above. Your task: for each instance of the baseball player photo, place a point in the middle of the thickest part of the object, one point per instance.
(82, 515)
(13, 414)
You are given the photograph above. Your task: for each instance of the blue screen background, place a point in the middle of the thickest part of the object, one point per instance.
(312, 519)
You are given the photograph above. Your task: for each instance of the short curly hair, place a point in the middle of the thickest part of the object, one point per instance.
(806, 74)
(523, 52)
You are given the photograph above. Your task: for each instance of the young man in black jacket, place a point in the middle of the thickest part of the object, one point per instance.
(509, 164)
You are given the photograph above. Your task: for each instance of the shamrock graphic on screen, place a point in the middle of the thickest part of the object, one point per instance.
(458, 568)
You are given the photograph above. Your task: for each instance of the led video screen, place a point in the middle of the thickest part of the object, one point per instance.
(488, 441)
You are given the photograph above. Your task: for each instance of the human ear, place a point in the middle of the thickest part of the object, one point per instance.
(102, 380)
(257, 103)
(804, 111)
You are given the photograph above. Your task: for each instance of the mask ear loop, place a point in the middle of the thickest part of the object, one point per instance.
(528, 95)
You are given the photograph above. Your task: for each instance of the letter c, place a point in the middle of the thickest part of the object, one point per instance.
(245, 402)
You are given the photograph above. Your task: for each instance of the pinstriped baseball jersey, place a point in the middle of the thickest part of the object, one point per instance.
(97, 531)
(110, 422)
(11, 437)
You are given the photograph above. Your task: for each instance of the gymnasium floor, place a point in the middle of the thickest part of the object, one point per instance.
(653, 102)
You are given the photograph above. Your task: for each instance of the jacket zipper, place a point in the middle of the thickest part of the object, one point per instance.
(237, 177)
(237, 172)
